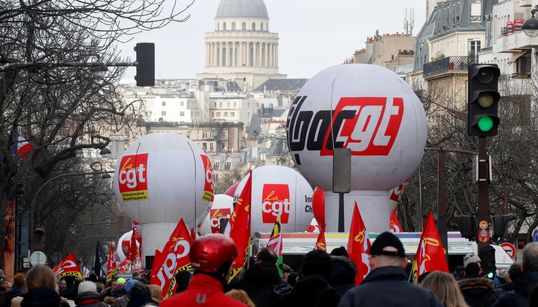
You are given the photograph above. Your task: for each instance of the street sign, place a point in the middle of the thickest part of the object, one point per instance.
(38, 258)
(510, 249)
(535, 235)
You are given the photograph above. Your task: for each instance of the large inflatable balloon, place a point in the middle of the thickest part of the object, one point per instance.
(221, 209)
(279, 190)
(159, 179)
(374, 113)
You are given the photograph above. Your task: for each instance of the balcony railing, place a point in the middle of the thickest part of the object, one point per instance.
(448, 64)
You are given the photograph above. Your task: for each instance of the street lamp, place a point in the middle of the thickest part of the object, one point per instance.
(530, 27)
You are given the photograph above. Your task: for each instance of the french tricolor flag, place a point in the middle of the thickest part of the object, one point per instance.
(21, 147)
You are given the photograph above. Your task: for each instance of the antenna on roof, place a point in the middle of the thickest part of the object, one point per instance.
(409, 21)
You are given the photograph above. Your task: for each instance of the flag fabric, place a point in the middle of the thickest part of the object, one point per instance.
(67, 267)
(125, 266)
(20, 147)
(275, 243)
(239, 226)
(318, 207)
(8, 252)
(413, 278)
(358, 245)
(430, 254)
(136, 241)
(100, 260)
(111, 266)
(395, 225)
(173, 258)
(396, 194)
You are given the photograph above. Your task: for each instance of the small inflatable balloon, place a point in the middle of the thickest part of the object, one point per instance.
(221, 209)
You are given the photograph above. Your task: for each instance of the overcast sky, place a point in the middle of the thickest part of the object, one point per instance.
(314, 34)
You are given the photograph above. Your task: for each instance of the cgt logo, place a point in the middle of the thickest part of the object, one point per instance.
(215, 215)
(132, 177)
(275, 203)
(366, 125)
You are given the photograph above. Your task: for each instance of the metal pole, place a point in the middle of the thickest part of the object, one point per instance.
(442, 200)
(341, 212)
(419, 213)
(483, 191)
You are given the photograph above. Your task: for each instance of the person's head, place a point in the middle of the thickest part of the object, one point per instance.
(529, 261)
(471, 258)
(266, 256)
(213, 254)
(317, 262)
(18, 280)
(120, 282)
(240, 295)
(63, 284)
(387, 250)
(40, 276)
(156, 293)
(114, 284)
(87, 286)
(183, 278)
(472, 270)
(445, 287)
(339, 251)
(514, 271)
(92, 277)
(129, 285)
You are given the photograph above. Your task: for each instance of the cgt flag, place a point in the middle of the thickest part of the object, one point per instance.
(318, 206)
(430, 253)
(67, 267)
(275, 243)
(136, 241)
(111, 266)
(239, 227)
(395, 225)
(358, 245)
(173, 258)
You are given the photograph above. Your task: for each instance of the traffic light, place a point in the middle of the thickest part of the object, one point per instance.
(145, 64)
(499, 225)
(483, 100)
(466, 226)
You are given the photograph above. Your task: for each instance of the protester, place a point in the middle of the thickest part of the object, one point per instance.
(445, 288)
(17, 289)
(183, 278)
(88, 295)
(386, 285)
(526, 282)
(156, 293)
(313, 288)
(241, 296)
(477, 290)
(343, 274)
(286, 270)
(211, 257)
(513, 275)
(140, 295)
(261, 278)
(41, 288)
(123, 300)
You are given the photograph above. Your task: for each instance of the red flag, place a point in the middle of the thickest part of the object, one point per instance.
(358, 245)
(157, 262)
(8, 253)
(318, 206)
(67, 267)
(135, 248)
(240, 226)
(125, 266)
(395, 225)
(396, 194)
(430, 253)
(111, 266)
(173, 258)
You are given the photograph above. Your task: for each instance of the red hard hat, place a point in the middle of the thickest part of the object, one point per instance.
(209, 252)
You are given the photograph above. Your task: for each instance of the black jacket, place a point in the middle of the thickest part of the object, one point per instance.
(309, 291)
(343, 274)
(523, 287)
(478, 292)
(14, 292)
(259, 282)
(41, 297)
(386, 287)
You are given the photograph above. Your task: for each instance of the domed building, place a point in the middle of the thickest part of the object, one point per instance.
(241, 48)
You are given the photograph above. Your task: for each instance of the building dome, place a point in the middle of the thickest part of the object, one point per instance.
(242, 8)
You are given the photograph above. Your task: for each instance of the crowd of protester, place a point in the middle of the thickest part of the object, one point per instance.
(323, 280)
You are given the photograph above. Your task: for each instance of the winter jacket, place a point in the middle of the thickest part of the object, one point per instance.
(89, 299)
(343, 274)
(41, 297)
(204, 290)
(386, 287)
(259, 282)
(478, 292)
(523, 287)
(122, 301)
(309, 291)
(15, 291)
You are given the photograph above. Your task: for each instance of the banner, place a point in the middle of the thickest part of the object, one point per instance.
(275, 243)
(358, 245)
(67, 267)
(239, 227)
(430, 254)
(8, 251)
(318, 206)
(173, 258)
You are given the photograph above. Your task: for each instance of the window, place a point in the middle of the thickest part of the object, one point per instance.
(233, 26)
(235, 104)
(163, 113)
(218, 114)
(474, 48)
(164, 104)
(232, 114)
(204, 146)
(224, 27)
(216, 165)
(181, 113)
(214, 104)
(213, 114)
(210, 146)
(244, 26)
(228, 165)
(261, 26)
(253, 26)
(225, 114)
(228, 104)
(220, 104)
(182, 103)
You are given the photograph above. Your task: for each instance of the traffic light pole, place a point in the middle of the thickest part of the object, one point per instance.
(483, 191)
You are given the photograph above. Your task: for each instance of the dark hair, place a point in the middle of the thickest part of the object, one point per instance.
(514, 272)
(267, 256)
(183, 278)
(317, 262)
(340, 251)
(472, 270)
(18, 280)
